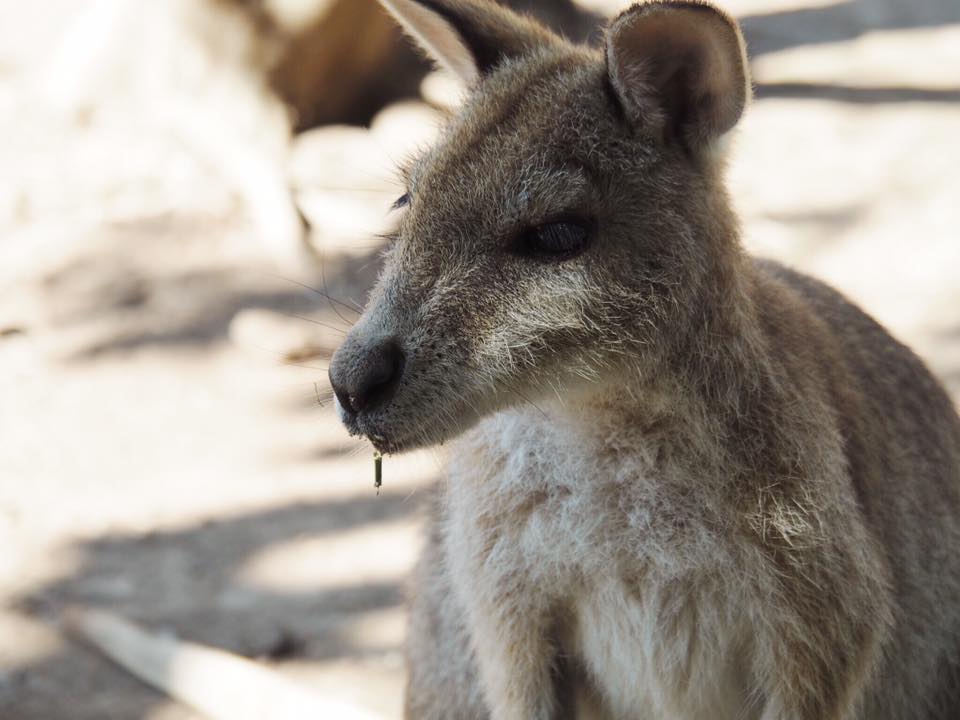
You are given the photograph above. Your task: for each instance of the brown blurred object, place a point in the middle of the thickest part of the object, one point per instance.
(333, 69)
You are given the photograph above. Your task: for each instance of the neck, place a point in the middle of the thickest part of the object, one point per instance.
(712, 383)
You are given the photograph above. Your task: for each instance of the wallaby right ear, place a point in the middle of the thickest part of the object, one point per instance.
(680, 66)
(468, 37)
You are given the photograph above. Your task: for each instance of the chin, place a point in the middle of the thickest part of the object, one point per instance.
(390, 443)
(404, 435)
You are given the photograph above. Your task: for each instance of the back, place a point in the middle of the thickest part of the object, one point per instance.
(902, 441)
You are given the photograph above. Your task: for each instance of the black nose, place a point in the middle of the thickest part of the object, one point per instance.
(366, 378)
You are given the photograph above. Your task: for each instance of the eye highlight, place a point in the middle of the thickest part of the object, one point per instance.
(556, 240)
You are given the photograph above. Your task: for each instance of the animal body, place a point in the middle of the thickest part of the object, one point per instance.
(686, 483)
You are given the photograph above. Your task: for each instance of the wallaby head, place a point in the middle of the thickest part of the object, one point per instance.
(570, 225)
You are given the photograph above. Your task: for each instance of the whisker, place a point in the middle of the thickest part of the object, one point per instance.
(357, 449)
(529, 401)
(288, 358)
(322, 293)
(291, 363)
(316, 392)
(323, 279)
(317, 322)
(340, 188)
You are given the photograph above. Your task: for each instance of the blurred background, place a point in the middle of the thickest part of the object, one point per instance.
(191, 193)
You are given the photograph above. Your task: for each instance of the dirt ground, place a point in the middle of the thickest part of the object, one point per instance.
(167, 448)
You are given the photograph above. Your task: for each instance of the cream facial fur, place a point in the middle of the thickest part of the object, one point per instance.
(687, 483)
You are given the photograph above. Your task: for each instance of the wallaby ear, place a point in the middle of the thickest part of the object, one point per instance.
(680, 65)
(469, 37)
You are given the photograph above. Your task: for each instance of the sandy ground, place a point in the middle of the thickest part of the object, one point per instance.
(163, 447)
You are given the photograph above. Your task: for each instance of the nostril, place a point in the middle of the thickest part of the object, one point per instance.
(369, 379)
(345, 400)
(384, 368)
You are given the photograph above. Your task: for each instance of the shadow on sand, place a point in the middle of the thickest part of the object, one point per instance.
(186, 580)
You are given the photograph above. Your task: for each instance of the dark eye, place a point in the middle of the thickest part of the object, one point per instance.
(401, 202)
(557, 240)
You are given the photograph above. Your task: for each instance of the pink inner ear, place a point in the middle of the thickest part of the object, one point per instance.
(686, 61)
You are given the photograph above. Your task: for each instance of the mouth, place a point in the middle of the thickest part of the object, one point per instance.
(387, 440)
(386, 444)
(366, 427)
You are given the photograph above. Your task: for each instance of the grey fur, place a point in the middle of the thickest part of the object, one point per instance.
(687, 484)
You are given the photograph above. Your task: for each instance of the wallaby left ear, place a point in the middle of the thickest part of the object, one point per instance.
(679, 65)
(469, 37)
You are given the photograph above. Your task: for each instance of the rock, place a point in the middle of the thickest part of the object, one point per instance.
(345, 183)
(442, 90)
(406, 127)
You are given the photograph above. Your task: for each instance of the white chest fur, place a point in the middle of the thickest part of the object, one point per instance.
(645, 590)
(660, 653)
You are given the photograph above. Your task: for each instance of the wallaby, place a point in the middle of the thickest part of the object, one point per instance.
(688, 483)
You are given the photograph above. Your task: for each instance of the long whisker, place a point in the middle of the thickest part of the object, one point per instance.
(291, 363)
(317, 322)
(528, 401)
(359, 448)
(323, 279)
(358, 310)
(337, 188)
(287, 359)
(322, 398)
